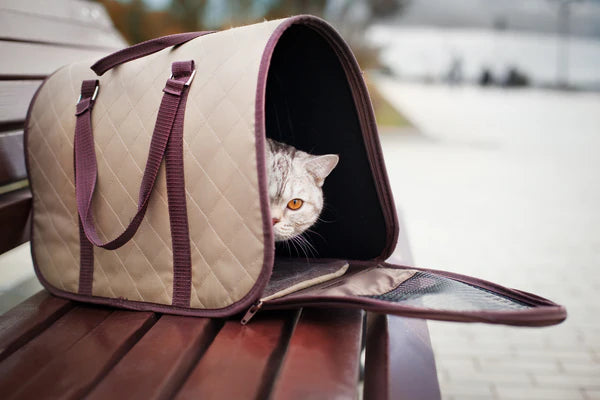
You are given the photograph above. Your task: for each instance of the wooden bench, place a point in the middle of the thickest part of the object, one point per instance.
(55, 348)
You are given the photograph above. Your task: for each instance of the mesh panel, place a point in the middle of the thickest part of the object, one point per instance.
(436, 292)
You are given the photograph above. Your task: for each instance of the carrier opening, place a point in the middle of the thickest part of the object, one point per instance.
(309, 105)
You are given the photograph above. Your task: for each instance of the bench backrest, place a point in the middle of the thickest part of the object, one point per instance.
(36, 38)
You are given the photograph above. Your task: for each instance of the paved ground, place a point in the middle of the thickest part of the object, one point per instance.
(506, 186)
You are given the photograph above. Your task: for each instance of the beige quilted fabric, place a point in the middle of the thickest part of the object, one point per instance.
(220, 170)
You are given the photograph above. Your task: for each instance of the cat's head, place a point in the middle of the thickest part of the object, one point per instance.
(295, 188)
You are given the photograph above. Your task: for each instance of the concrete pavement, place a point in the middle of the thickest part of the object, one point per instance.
(505, 185)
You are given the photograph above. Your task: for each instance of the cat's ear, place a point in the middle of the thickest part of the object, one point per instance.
(321, 166)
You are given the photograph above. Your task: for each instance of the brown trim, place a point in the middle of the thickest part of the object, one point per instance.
(368, 127)
(548, 315)
(543, 312)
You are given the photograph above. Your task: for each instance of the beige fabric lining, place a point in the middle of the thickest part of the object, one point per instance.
(370, 282)
(308, 283)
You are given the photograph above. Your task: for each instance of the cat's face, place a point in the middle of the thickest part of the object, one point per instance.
(295, 188)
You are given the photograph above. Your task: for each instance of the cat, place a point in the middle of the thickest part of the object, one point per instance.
(295, 182)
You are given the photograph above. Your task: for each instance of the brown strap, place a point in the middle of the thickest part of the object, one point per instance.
(143, 49)
(86, 263)
(180, 238)
(86, 249)
(169, 124)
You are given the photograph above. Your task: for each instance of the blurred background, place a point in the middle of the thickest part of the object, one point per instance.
(489, 117)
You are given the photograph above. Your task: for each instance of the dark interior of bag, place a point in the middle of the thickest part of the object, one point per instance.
(309, 105)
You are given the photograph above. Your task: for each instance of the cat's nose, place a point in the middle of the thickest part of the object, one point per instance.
(275, 220)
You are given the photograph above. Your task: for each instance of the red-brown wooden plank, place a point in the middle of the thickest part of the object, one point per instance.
(20, 366)
(16, 25)
(399, 361)
(14, 99)
(12, 157)
(157, 365)
(72, 11)
(72, 374)
(242, 360)
(15, 208)
(22, 323)
(35, 60)
(323, 356)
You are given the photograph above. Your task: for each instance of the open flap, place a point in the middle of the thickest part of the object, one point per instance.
(421, 293)
(291, 275)
(368, 282)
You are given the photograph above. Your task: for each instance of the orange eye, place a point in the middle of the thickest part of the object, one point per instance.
(294, 204)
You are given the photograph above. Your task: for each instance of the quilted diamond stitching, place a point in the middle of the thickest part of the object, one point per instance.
(43, 245)
(122, 225)
(207, 120)
(226, 234)
(69, 179)
(126, 210)
(124, 262)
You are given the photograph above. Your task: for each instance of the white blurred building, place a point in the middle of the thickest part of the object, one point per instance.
(431, 38)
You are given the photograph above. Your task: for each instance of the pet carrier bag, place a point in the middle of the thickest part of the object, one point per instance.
(150, 190)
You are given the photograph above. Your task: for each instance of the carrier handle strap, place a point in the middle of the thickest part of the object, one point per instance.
(143, 49)
(86, 168)
(166, 143)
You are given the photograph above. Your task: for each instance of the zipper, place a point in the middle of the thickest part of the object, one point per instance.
(254, 308)
(258, 305)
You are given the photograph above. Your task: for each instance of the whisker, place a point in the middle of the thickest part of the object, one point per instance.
(312, 247)
(319, 219)
(299, 243)
(298, 240)
(294, 245)
(312, 231)
(287, 245)
(307, 246)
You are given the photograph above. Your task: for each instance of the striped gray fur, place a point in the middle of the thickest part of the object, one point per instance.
(295, 174)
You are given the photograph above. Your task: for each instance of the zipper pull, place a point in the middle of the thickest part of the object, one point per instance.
(251, 311)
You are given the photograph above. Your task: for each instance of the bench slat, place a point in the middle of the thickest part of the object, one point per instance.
(73, 373)
(17, 25)
(156, 366)
(322, 361)
(12, 159)
(25, 321)
(15, 208)
(399, 362)
(25, 61)
(52, 342)
(242, 360)
(14, 99)
(76, 11)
